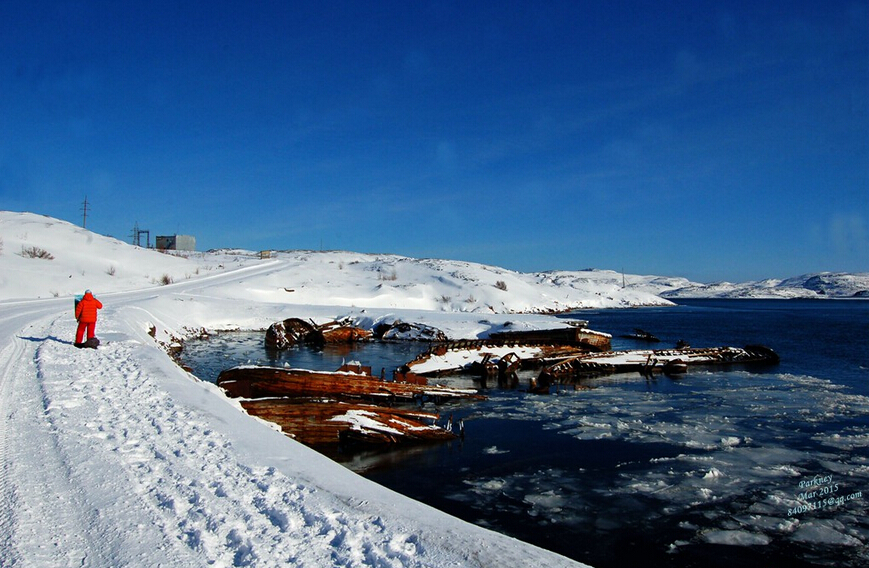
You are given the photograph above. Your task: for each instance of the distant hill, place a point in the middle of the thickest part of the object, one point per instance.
(816, 285)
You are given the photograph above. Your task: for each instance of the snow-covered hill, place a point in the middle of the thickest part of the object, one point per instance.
(817, 285)
(391, 281)
(80, 259)
(41, 257)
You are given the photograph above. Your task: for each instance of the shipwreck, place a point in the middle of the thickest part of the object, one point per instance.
(575, 336)
(345, 406)
(324, 421)
(352, 406)
(500, 361)
(503, 354)
(292, 331)
(648, 362)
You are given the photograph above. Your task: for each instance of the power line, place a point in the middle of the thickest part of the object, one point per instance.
(84, 208)
(137, 235)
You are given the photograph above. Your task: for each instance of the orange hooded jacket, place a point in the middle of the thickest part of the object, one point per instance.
(86, 310)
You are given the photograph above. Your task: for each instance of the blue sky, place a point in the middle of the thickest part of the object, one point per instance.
(712, 140)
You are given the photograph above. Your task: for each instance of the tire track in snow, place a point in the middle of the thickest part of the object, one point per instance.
(44, 514)
(9, 358)
(56, 497)
(58, 524)
(18, 323)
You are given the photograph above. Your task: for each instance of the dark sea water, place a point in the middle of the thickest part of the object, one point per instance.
(753, 466)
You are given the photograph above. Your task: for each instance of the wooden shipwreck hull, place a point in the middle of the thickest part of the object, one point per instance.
(648, 361)
(316, 422)
(470, 356)
(248, 381)
(322, 407)
(338, 332)
(289, 332)
(574, 336)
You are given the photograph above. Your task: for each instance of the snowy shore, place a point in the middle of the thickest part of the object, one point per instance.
(117, 457)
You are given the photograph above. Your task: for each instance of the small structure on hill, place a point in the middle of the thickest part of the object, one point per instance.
(176, 242)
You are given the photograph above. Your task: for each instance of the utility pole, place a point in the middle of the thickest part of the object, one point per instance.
(137, 235)
(84, 208)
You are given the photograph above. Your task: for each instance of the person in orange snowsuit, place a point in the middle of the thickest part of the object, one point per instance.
(86, 314)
